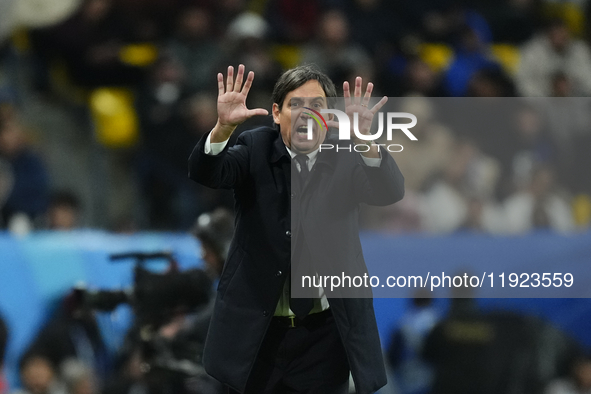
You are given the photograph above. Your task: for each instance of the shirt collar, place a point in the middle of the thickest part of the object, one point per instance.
(311, 156)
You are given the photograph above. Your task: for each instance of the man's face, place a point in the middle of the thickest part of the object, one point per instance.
(214, 264)
(37, 375)
(309, 95)
(12, 139)
(62, 217)
(559, 37)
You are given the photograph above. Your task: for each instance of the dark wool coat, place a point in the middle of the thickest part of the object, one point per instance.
(258, 169)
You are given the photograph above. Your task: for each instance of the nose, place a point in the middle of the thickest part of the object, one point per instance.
(305, 114)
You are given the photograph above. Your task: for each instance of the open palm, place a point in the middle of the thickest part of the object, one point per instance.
(359, 105)
(231, 107)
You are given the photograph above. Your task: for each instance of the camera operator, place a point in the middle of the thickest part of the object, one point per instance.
(214, 231)
(187, 332)
(72, 333)
(163, 351)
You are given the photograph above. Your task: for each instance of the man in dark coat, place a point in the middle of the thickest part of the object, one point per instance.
(260, 339)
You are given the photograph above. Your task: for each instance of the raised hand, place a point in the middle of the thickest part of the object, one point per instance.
(231, 106)
(359, 105)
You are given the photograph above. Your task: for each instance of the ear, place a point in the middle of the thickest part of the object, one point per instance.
(276, 112)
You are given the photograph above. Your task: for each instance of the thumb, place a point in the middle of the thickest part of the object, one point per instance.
(332, 123)
(257, 111)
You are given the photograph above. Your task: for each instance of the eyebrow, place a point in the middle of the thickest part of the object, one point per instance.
(311, 98)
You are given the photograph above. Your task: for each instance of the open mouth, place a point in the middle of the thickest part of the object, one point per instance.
(302, 130)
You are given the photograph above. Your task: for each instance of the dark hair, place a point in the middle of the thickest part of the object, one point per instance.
(552, 23)
(33, 354)
(215, 230)
(64, 198)
(296, 77)
(3, 340)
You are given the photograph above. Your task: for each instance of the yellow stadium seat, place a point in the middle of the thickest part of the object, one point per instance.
(507, 55)
(437, 56)
(21, 40)
(288, 56)
(582, 210)
(139, 55)
(258, 6)
(115, 119)
(571, 13)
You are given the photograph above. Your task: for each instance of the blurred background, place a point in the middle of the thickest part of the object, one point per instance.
(102, 101)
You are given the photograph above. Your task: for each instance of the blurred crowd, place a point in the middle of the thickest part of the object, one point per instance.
(494, 166)
(103, 101)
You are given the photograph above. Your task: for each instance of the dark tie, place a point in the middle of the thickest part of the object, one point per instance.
(303, 162)
(301, 306)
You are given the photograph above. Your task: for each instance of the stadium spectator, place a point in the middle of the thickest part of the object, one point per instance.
(577, 382)
(195, 48)
(170, 201)
(388, 25)
(64, 211)
(526, 147)
(334, 52)
(247, 40)
(293, 21)
(225, 12)
(406, 218)
(561, 85)
(201, 114)
(422, 160)
(72, 333)
(550, 52)
(539, 206)
(471, 56)
(405, 353)
(511, 21)
(570, 129)
(128, 377)
(214, 230)
(478, 352)
(470, 174)
(201, 117)
(78, 378)
(90, 43)
(441, 21)
(490, 82)
(419, 79)
(29, 195)
(38, 376)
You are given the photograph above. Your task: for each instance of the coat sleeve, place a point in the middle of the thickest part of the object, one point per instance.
(383, 185)
(225, 170)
